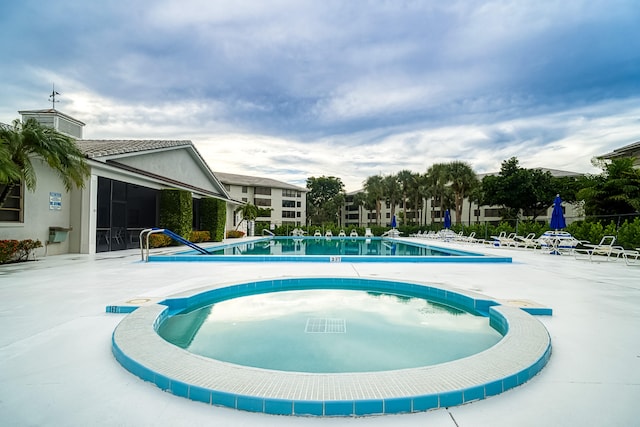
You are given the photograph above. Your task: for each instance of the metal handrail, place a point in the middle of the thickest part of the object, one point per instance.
(147, 232)
(264, 230)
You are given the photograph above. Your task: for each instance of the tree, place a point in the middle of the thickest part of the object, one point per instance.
(374, 188)
(22, 141)
(406, 181)
(324, 199)
(437, 179)
(615, 191)
(462, 181)
(248, 211)
(519, 190)
(416, 194)
(359, 200)
(391, 188)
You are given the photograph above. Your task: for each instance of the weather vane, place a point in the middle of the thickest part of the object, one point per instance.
(52, 97)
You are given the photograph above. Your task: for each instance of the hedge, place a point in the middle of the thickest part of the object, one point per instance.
(213, 217)
(176, 211)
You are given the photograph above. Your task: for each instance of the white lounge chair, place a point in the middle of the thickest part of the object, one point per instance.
(367, 232)
(529, 241)
(317, 233)
(342, 234)
(603, 249)
(353, 233)
(328, 233)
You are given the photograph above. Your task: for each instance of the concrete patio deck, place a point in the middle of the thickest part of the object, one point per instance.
(57, 369)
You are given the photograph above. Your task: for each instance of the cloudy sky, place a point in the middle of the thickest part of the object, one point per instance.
(291, 88)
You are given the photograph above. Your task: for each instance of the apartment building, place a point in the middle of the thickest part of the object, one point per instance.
(280, 203)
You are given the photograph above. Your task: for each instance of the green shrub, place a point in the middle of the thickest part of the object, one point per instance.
(213, 217)
(629, 234)
(176, 211)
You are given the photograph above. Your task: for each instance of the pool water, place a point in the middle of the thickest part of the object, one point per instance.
(329, 246)
(330, 331)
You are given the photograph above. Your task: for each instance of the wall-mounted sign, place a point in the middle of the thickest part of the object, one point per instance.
(55, 201)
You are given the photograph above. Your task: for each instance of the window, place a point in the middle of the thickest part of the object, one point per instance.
(227, 187)
(476, 212)
(244, 199)
(491, 212)
(288, 214)
(290, 193)
(435, 214)
(12, 211)
(262, 202)
(299, 204)
(265, 191)
(289, 203)
(244, 189)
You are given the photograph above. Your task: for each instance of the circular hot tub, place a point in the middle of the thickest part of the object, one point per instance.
(384, 374)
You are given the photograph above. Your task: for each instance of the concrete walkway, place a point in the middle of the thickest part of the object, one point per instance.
(56, 366)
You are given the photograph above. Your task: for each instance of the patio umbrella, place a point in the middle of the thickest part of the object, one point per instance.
(447, 219)
(394, 222)
(557, 217)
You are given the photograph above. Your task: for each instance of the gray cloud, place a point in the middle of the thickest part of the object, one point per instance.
(357, 88)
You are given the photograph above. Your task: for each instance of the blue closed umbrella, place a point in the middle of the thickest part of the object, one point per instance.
(447, 219)
(394, 222)
(557, 216)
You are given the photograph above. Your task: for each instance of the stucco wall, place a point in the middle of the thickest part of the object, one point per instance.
(38, 216)
(176, 164)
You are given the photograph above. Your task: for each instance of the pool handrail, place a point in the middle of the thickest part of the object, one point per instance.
(174, 236)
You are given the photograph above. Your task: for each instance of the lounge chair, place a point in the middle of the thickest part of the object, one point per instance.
(367, 232)
(342, 234)
(632, 257)
(328, 233)
(503, 240)
(317, 233)
(353, 233)
(529, 241)
(603, 249)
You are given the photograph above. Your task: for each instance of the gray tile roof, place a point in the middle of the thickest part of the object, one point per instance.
(254, 181)
(627, 150)
(94, 148)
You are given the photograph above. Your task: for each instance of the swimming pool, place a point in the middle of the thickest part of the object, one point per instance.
(522, 352)
(329, 330)
(334, 249)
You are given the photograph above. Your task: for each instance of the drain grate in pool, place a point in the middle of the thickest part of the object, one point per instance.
(325, 326)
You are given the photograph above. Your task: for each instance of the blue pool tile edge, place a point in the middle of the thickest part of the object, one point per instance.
(343, 407)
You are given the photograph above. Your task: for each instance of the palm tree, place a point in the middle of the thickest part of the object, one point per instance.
(359, 200)
(22, 142)
(406, 181)
(475, 196)
(462, 180)
(375, 191)
(422, 194)
(248, 211)
(391, 191)
(437, 179)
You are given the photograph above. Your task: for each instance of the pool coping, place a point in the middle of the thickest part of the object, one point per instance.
(522, 352)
